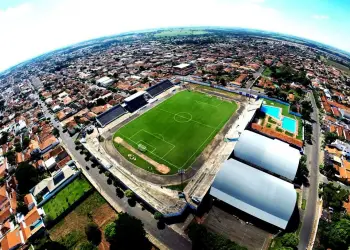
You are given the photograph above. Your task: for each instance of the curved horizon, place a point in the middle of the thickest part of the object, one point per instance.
(37, 27)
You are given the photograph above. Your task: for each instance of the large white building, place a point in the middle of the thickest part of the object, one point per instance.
(272, 155)
(255, 192)
(105, 81)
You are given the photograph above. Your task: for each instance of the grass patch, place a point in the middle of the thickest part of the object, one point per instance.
(220, 91)
(93, 201)
(178, 187)
(269, 125)
(271, 120)
(176, 131)
(278, 129)
(303, 204)
(70, 231)
(289, 133)
(66, 197)
(138, 160)
(267, 72)
(338, 66)
(180, 32)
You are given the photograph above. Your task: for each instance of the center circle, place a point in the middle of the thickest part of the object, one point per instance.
(183, 117)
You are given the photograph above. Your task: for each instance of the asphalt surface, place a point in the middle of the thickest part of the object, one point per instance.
(164, 234)
(312, 157)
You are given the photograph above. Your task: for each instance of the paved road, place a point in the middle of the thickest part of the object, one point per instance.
(166, 235)
(313, 157)
(256, 75)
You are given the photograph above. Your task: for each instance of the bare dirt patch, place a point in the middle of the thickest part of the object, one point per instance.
(161, 168)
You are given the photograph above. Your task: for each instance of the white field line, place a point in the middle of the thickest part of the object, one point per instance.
(200, 102)
(202, 143)
(152, 153)
(190, 120)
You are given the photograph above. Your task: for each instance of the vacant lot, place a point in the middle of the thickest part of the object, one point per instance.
(339, 66)
(176, 131)
(66, 197)
(180, 32)
(71, 230)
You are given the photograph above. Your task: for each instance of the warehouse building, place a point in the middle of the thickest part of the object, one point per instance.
(270, 155)
(255, 192)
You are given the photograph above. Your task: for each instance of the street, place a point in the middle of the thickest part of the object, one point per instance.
(312, 152)
(165, 234)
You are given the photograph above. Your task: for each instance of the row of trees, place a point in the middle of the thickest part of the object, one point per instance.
(335, 233)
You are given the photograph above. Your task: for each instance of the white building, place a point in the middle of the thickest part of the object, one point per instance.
(342, 146)
(105, 81)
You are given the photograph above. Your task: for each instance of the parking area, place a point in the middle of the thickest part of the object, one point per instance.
(228, 224)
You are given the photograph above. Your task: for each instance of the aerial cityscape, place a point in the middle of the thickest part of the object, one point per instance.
(177, 138)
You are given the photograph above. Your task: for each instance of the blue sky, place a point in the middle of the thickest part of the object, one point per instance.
(32, 27)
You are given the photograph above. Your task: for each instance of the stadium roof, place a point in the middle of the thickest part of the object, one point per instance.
(255, 192)
(272, 155)
(132, 97)
(110, 115)
(159, 88)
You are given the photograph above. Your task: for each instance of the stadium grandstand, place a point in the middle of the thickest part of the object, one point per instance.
(255, 192)
(159, 88)
(136, 101)
(110, 115)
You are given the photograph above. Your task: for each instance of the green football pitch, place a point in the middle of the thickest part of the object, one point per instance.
(177, 130)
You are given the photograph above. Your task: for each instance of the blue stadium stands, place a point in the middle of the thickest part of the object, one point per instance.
(159, 88)
(110, 115)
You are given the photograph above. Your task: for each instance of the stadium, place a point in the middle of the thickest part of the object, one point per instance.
(166, 131)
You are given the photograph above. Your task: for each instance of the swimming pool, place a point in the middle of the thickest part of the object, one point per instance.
(271, 111)
(289, 124)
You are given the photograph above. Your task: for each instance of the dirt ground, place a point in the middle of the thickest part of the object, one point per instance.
(161, 168)
(74, 221)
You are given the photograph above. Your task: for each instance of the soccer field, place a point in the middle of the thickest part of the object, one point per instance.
(176, 131)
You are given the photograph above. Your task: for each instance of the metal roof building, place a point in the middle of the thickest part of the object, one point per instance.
(255, 192)
(272, 155)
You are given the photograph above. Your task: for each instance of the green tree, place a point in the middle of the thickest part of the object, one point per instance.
(334, 196)
(56, 132)
(25, 142)
(330, 137)
(129, 194)
(290, 240)
(93, 233)
(4, 137)
(27, 177)
(110, 232)
(339, 235)
(130, 234)
(158, 216)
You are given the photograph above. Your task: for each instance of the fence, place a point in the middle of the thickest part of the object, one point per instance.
(284, 103)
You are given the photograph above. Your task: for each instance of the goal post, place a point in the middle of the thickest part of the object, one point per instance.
(142, 147)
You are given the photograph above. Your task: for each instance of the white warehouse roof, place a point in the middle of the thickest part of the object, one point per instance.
(255, 192)
(273, 155)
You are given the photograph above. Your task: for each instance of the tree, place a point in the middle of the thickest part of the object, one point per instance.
(330, 137)
(158, 216)
(25, 142)
(130, 234)
(27, 177)
(4, 137)
(130, 194)
(306, 110)
(11, 158)
(56, 132)
(290, 240)
(93, 233)
(21, 208)
(100, 102)
(18, 147)
(110, 232)
(339, 234)
(334, 196)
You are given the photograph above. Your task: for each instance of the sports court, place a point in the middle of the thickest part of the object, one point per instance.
(177, 130)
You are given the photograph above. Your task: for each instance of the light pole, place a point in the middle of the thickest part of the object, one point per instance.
(181, 172)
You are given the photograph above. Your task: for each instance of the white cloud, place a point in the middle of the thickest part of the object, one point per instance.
(320, 17)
